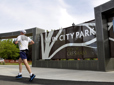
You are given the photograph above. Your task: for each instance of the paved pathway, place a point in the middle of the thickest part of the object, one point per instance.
(49, 76)
(8, 80)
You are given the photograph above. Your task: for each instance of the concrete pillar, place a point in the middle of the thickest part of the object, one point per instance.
(36, 46)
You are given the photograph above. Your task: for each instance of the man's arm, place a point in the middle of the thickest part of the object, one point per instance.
(32, 42)
(16, 42)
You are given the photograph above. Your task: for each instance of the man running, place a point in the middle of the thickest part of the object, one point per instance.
(23, 42)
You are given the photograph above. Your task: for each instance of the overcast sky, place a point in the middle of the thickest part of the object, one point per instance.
(16, 15)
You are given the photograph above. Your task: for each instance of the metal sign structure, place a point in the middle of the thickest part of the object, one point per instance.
(70, 43)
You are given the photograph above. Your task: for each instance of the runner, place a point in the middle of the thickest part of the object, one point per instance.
(23, 42)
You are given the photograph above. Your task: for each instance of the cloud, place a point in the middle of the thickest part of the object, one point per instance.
(95, 3)
(79, 11)
(47, 14)
(82, 10)
(23, 15)
(38, 13)
(66, 19)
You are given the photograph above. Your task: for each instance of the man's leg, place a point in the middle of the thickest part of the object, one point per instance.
(27, 65)
(20, 65)
(32, 76)
(20, 69)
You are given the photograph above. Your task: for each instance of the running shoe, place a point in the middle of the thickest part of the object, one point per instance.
(19, 76)
(32, 77)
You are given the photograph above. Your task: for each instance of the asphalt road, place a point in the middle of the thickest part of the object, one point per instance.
(8, 80)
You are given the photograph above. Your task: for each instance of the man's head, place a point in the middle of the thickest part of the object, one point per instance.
(22, 32)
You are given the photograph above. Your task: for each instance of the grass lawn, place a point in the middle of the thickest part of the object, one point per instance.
(13, 63)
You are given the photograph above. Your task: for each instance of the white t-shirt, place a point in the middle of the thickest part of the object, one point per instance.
(23, 42)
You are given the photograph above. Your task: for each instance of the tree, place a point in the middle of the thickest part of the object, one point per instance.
(8, 50)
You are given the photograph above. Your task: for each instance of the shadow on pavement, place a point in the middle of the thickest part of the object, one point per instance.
(8, 80)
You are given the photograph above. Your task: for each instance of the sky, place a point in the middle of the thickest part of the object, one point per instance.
(17, 15)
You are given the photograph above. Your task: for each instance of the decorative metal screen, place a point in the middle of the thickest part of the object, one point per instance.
(70, 43)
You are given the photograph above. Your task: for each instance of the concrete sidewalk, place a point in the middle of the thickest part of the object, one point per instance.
(59, 74)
